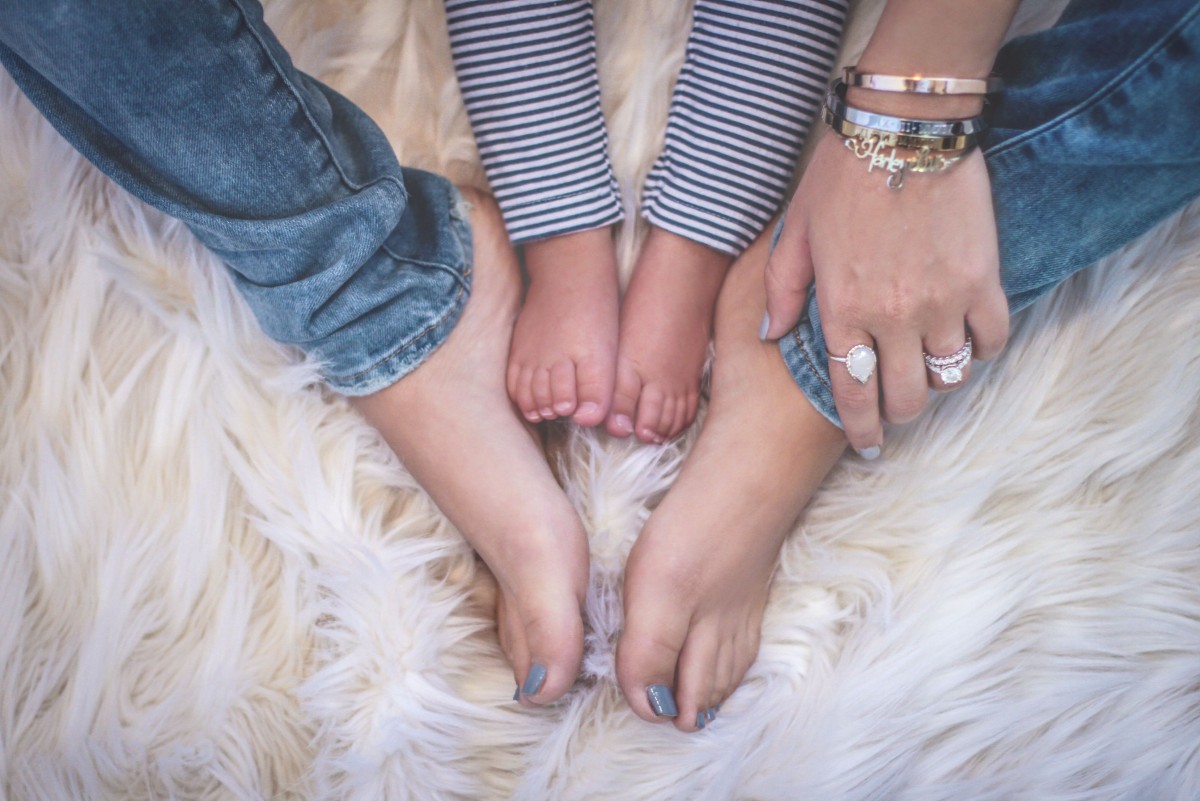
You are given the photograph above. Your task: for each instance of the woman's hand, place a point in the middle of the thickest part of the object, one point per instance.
(903, 271)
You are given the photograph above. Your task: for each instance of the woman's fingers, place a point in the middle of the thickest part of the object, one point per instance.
(903, 385)
(788, 276)
(854, 379)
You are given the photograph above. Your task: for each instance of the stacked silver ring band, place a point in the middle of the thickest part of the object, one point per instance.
(950, 368)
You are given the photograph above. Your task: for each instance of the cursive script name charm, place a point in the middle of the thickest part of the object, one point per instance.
(871, 147)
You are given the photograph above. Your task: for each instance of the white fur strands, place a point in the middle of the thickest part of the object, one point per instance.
(217, 583)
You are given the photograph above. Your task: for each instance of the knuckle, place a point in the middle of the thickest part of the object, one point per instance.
(904, 408)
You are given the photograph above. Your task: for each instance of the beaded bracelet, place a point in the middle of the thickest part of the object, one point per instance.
(917, 84)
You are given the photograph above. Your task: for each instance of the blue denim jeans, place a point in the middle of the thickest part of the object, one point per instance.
(1092, 141)
(194, 107)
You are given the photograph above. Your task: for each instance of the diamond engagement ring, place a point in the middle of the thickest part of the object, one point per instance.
(860, 362)
(950, 368)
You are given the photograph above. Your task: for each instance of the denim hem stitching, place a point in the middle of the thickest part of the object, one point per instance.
(454, 303)
(808, 358)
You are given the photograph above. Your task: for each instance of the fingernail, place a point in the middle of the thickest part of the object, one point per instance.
(534, 679)
(700, 720)
(662, 700)
(587, 408)
(869, 453)
(712, 715)
(623, 424)
(762, 329)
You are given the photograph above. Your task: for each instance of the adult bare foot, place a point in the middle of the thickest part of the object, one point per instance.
(666, 323)
(696, 580)
(451, 424)
(564, 348)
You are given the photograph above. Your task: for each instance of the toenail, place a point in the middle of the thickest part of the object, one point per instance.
(662, 700)
(587, 408)
(547, 412)
(563, 408)
(711, 715)
(517, 694)
(623, 424)
(869, 453)
(534, 680)
(762, 329)
(533, 417)
(700, 721)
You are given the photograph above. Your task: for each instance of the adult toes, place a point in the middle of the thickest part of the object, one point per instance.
(647, 654)
(552, 640)
(697, 667)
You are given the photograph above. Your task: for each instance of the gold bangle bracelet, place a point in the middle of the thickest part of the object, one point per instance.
(920, 85)
(936, 144)
(870, 146)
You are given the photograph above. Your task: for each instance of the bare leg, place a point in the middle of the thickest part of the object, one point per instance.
(696, 581)
(451, 424)
(565, 344)
(666, 324)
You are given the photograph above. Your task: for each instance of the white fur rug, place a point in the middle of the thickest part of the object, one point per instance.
(216, 583)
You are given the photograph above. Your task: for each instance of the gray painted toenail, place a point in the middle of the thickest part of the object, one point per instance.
(700, 721)
(534, 679)
(712, 715)
(662, 700)
(517, 694)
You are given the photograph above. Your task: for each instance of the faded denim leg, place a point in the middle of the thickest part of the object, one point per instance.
(194, 107)
(1092, 142)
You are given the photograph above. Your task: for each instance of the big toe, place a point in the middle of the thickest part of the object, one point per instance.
(594, 387)
(625, 402)
(548, 652)
(647, 656)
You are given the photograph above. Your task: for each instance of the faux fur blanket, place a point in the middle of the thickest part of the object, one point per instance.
(217, 583)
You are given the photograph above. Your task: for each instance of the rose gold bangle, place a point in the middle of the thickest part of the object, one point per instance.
(920, 85)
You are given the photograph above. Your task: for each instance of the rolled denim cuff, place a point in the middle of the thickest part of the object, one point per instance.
(803, 351)
(377, 321)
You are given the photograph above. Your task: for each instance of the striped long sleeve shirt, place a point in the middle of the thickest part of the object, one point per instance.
(753, 78)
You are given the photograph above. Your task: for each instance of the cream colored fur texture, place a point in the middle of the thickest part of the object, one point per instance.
(217, 583)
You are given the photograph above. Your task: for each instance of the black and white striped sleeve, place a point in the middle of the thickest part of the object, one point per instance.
(753, 79)
(528, 76)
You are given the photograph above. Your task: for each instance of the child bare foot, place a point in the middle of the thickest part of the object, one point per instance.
(666, 323)
(696, 580)
(565, 344)
(451, 424)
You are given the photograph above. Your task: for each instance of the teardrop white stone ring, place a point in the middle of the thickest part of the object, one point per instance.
(860, 362)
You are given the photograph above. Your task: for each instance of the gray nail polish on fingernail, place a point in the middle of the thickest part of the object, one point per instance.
(534, 679)
(662, 700)
(700, 720)
(711, 714)
(869, 453)
(762, 329)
